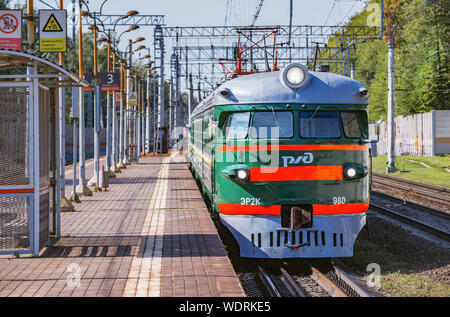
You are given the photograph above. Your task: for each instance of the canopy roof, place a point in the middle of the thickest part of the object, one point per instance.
(49, 73)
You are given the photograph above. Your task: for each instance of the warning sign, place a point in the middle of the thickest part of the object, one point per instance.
(52, 30)
(11, 29)
(52, 25)
(132, 99)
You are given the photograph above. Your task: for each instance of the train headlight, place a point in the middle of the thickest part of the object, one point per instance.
(354, 171)
(242, 174)
(295, 76)
(350, 172)
(237, 173)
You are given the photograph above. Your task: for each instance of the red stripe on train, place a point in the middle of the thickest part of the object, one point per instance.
(275, 210)
(237, 209)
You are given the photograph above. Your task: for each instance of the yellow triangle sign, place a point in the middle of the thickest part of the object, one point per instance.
(52, 25)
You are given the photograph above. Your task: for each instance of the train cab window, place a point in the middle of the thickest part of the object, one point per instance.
(319, 124)
(272, 124)
(351, 124)
(236, 126)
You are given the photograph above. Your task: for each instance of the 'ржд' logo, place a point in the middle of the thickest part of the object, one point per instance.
(306, 158)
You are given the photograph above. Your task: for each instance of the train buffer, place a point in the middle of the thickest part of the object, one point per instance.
(150, 234)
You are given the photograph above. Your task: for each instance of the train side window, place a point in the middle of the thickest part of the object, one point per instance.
(237, 125)
(352, 125)
(272, 124)
(319, 124)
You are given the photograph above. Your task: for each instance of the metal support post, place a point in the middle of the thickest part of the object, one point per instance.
(191, 96)
(75, 96)
(137, 120)
(147, 114)
(82, 188)
(109, 124)
(170, 110)
(95, 180)
(127, 115)
(155, 113)
(120, 163)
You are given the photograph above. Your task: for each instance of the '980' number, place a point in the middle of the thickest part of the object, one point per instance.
(338, 200)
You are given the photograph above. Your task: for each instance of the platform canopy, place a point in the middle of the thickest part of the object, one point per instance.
(49, 73)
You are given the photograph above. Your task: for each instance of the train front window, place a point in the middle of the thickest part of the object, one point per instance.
(319, 124)
(237, 127)
(351, 124)
(272, 124)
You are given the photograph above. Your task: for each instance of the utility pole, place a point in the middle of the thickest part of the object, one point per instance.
(391, 108)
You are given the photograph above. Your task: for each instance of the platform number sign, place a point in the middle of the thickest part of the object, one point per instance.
(52, 30)
(110, 81)
(11, 29)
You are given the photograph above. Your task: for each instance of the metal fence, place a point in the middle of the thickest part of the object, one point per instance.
(423, 134)
(15, 169)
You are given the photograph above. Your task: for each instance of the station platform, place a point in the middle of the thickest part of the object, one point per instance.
(150, 234)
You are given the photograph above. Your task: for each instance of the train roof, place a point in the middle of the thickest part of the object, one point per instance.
(268, 87)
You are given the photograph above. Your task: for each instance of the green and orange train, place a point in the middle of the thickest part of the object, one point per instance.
(283, 158)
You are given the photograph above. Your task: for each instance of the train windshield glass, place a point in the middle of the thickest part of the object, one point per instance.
(272, 124)
(237, 127)
(352, 126)
(319, 124)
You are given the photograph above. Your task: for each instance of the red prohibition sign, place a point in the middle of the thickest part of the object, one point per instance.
(8, 23)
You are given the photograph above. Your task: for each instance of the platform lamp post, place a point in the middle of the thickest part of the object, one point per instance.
(82, 189)
(109, 129)
(95, 180)
(64, 203)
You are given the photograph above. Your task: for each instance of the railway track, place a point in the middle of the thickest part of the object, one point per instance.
(426, 219)
(278, 282)
(420, 224)
(431, 192)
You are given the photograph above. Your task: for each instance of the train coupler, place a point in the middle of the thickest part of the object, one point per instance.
(296, 246)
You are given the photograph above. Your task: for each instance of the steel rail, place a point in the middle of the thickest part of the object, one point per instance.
(290, 284)
(408, 181)
(408, 203)
(350, 282)
(414, 222)
(332, 289)
(268, 283)
(437, 196)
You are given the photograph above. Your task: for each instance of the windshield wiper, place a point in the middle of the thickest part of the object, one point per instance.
(276, 117)
(309, 120)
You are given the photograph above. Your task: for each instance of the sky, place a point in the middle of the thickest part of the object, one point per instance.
(215, 13)
(219, 12)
